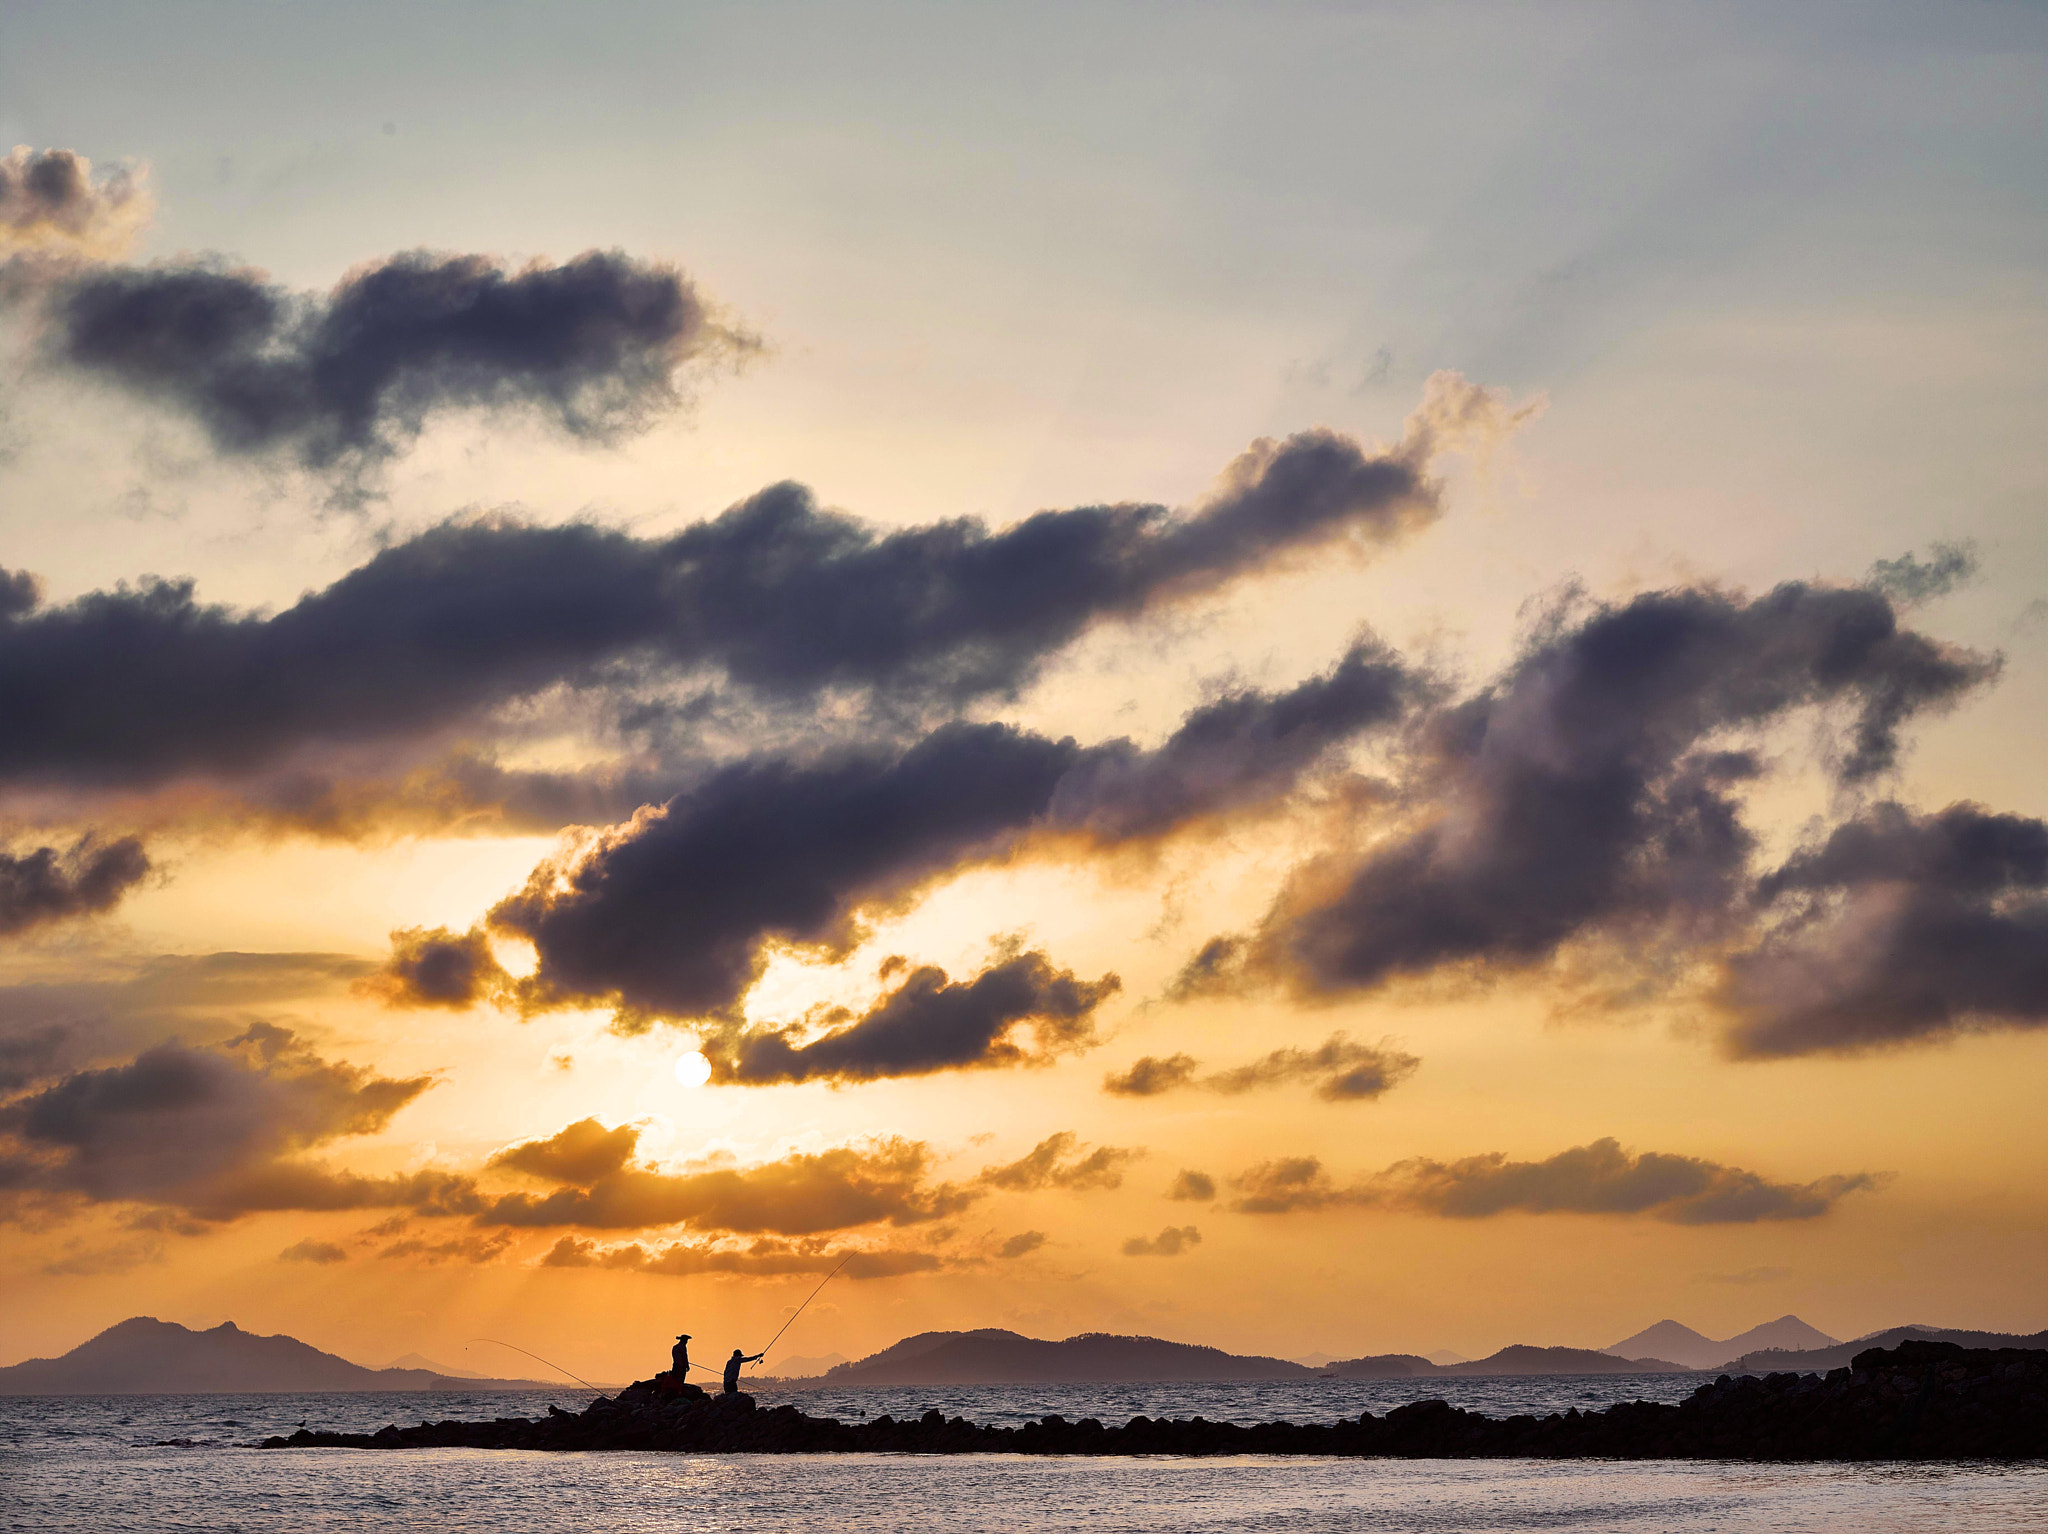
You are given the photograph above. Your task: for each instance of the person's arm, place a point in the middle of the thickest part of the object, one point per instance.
(757, 1358)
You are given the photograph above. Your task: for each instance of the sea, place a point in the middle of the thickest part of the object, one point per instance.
(114, 1464)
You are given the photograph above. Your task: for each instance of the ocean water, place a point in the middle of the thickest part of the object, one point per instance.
(92, 1464)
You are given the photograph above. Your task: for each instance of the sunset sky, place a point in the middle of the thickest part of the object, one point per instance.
(1347, 678)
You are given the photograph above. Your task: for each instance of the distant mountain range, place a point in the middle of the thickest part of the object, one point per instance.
(1518, 1359)
(1683, 1345)
(1820, 1360)
(144, 1356)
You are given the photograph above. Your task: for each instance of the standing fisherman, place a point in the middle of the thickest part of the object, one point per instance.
(680, 1353)
(732, 1368)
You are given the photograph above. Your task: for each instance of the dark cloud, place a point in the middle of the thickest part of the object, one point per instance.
(1247, 748)
(48, 1028)
(1150, 1075)
(1909, 580)
(47, 885)
(139, 685)
(930, 1023)
(802, 1194)
(1023, 1244)
(581, 1153)
(1170, 1242)
(1897, 928)
(1056, 1162)
(434, 967)
(1600, 1178)
(1215, 970)
(212, 1131)
(673, 914)
(51, 200)
(766, 1258)
(1192, 1188)
(309, 1250)
(800, 598)
(1341, 1069)
(1589, 792)
(347, 379)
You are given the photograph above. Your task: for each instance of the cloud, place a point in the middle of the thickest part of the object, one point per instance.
(434, 967)
(141, 685)
(1023, 1244)
(309, 1250)
(1910, 581)
(1170, 1242)
(1192, 1188)
(470, 1249)
(1048, 1164)
(1343, 1071)
(766, 1258)
(1150, 1075)
(213, 1131)
(673, 913)
(1600, 1178)
(930, 1023)
(802, 1194)
(1897, 928)
(51, 1027)
(348, 379)
(47, 885)
(1589, 790)
(582, 1153)
(50, 200)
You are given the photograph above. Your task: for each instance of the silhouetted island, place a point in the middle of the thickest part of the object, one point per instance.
(992, 1356)
(1517, 1359)
(145, 1356)
(1920, 1400)
(1820, 1360)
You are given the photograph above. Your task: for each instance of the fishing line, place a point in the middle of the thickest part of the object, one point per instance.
(515, 1347)
(807, 1303)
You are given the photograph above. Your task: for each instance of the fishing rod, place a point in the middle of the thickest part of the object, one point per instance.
(807, 1303)
(515, 1347)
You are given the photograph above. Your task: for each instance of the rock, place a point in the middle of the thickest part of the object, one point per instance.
(1920, 1400)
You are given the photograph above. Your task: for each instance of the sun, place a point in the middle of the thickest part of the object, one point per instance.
(692, 1069)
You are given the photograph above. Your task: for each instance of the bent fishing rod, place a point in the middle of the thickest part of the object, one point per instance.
(807, 1303)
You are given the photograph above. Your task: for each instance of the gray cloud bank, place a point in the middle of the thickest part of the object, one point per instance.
(1018, 1011)
(1898, 928)
(51, 200)
(138, 686)
(217, 1132)
(348, 379)
(1601, 1178)
(47, 885)
(1341, 1069)
(1595, 794)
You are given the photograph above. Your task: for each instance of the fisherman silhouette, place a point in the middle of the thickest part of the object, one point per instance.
(732, 1369)
(681, 1354)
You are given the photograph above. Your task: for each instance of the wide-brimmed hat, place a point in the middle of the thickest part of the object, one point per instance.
(682, 1336)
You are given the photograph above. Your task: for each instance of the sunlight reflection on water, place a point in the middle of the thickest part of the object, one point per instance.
(84, 1464)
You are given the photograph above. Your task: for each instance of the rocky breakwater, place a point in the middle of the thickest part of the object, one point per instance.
(1919, 1400)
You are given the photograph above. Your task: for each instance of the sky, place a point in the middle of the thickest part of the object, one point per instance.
(1314, 678)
